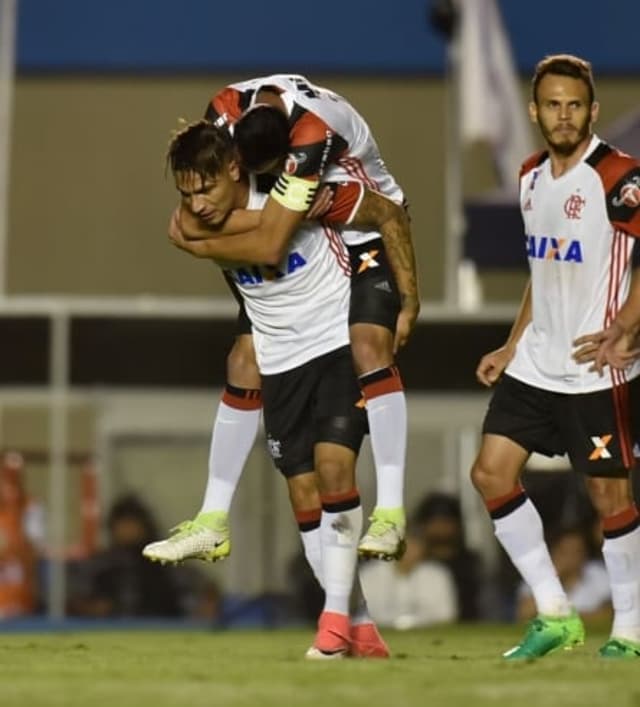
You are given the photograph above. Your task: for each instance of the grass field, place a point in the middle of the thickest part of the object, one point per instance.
(444, 667)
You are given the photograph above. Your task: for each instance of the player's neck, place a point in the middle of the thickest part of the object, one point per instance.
(562, 163)
(272, 99)
(241, 200)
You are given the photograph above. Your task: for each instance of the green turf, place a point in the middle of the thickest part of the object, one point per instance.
(442, 667)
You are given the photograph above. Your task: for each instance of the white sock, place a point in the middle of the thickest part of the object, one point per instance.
(233, 435)
(521, 535)
(312, 543)
(360, 610)
(387, 415)
(622, 559)
(340, 533)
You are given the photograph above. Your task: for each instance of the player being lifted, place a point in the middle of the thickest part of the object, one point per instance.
(284, 122)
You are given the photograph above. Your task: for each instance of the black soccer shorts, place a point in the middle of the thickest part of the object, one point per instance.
(599, 431)
(374, 294)
(316, 402)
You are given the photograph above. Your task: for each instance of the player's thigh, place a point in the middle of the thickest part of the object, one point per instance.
(498, 465)
(335, 466)
(602, 429)
(371, 346)
(242, 367)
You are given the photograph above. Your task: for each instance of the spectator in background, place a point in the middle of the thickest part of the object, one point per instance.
(583, 576)
(412, 592)
(438, 518)
(18, 577)
(118, 582)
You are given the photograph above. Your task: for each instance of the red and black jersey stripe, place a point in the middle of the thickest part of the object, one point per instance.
(620, 175)
(533, 161)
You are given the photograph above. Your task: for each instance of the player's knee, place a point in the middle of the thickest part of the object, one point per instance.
(242, 369)
(303, 492)
(334, 476)
(609, 496)
(485, 479)
(372, 347)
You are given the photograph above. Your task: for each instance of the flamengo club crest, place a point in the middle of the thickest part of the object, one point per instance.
(573, 206)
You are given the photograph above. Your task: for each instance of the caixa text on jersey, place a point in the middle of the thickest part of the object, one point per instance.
(257, 274)
(552, 248)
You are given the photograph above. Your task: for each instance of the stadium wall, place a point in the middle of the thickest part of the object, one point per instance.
(353, 37)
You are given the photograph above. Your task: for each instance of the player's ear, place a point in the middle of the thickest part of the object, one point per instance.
(595, 111)
(533, 112)
(234, 169)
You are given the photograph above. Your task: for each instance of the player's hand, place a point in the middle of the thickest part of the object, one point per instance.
(612, 346)
(176, 235)
(322, 203)
(493, 364)
(405, 323)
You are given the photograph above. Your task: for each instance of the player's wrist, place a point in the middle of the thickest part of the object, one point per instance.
(625, 326)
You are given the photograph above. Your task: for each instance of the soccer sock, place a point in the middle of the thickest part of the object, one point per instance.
(340, 528)
(387, 415)
(518, 527)
(621, 551)
(234, 432)
(359, 609)
(309, 527)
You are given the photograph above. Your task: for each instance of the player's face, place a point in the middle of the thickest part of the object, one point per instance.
(209, 198)
(563, 113)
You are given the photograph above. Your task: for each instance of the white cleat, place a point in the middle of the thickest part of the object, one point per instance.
(385, 538)
(314, 653)
(204, 538)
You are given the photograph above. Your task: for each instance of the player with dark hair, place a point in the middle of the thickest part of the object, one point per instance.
(284, 122)
(299, 314)
(579, 202)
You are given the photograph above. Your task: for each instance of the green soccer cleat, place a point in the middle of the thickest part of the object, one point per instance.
(620, 649)
(385, 538)
(206, 537)
(547, 634)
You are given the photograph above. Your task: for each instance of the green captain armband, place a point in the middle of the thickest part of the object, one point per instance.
(293, 192)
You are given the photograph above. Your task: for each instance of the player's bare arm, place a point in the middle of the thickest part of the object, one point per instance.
(263, 245)
(617, 344)
(492, 365)
(392, 221)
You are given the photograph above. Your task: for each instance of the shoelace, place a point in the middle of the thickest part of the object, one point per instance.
(380, 526)
(184, 528)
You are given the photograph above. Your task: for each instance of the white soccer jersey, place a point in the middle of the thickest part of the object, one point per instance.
(580, 231)
(298, 310)
(328, 138)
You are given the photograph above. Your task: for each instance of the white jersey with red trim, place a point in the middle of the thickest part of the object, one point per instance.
(299, 309)
(580, 231)
(328, 138)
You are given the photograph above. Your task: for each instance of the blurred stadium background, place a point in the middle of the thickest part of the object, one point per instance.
(112, 344)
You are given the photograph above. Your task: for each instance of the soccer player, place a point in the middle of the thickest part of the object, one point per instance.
(299, 315)
(310, 133)
(580, 210)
